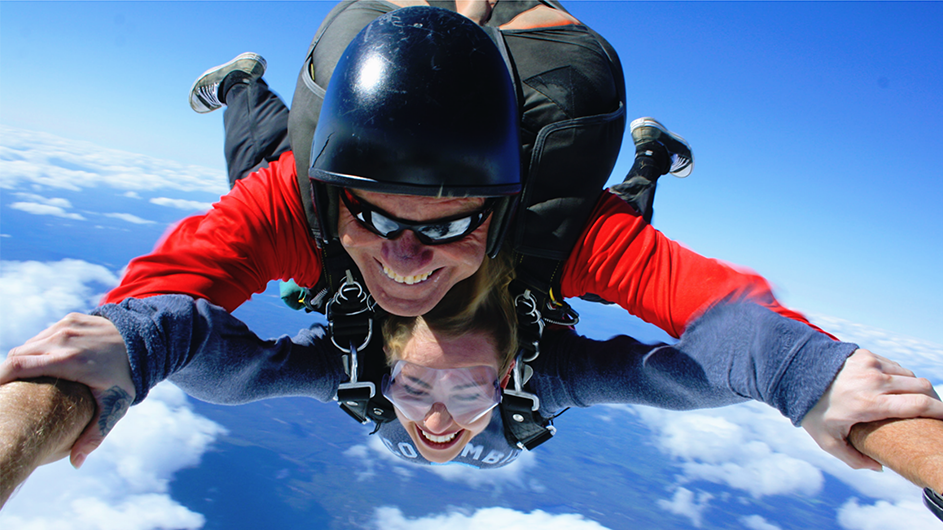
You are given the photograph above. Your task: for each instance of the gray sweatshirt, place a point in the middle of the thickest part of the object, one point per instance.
(734, 352)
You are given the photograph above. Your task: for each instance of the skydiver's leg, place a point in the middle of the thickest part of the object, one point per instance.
(658, 151)
(255, 119)
(256, 124)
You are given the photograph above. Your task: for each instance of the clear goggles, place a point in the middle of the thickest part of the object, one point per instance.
(433, 232)
(467, 393)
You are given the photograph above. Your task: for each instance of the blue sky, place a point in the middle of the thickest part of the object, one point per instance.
(816, 126)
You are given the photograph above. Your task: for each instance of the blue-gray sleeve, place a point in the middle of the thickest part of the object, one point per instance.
(213, 356)
(734, 352)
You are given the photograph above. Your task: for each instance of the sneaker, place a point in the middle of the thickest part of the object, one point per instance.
(204, 94)
(649, 130)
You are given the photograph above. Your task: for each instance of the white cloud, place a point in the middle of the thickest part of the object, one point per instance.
(731, 446)
(391, 518)
(361, 453)
(36, 208)
(752, 448)
(124, 484)
(757, 522)
(30, 158)
(182, 204)
(35, 294)
(923, 357)
(685, 504)
(903, 515)
(55, 201)
(129, 218)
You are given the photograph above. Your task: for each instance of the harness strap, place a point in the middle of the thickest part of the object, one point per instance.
(524, 427)
(351, 315)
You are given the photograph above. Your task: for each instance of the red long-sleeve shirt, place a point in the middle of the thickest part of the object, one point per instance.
(258, 233)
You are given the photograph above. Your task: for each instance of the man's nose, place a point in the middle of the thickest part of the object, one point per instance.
(406, 251)
(437, 420)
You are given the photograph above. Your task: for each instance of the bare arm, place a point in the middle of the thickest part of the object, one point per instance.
(912, 447)
(41, 419)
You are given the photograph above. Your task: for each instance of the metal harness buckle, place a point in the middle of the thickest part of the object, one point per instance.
(529, 322)
(354, 396)
(349, 314)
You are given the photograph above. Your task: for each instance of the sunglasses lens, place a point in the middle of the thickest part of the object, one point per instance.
(383, 225)
(447, 230)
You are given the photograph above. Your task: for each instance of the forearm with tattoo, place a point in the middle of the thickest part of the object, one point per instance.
(115, 404)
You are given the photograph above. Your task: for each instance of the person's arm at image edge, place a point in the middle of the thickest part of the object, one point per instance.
(41, 420)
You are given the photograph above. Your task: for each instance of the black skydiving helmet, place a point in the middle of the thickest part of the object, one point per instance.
(420, 103)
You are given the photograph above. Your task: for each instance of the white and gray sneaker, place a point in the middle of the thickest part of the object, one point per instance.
(647, 129)
(204, 94)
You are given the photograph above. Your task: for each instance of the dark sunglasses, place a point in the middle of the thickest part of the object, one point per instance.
(434, 232)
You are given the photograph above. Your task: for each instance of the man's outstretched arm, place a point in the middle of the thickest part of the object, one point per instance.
(41, 419)
(912, 447)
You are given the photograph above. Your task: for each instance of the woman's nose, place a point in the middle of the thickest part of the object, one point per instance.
(437, 420)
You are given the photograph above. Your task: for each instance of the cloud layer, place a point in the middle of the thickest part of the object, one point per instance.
(390, 518)
(35, 158)
(36, 294)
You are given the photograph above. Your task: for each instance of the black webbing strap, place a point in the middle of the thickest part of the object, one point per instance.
(523, 426)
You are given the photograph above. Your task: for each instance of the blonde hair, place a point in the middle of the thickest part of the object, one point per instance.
(478, 304)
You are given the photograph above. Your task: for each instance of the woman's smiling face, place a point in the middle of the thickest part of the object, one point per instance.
(438, 436)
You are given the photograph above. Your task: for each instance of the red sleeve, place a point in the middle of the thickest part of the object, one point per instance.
(623, 259)
(256, 233)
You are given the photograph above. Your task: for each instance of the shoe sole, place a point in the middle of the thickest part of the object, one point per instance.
(250, 63)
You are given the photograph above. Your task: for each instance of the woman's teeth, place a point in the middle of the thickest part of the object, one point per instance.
(438, 439)
(408, 280)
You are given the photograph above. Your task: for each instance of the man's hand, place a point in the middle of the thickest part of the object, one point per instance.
(88, 350)
(868, 388)
(40, 421)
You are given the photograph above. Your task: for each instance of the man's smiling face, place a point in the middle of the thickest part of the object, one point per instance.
(405, 276)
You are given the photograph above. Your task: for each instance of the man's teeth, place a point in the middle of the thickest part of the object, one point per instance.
(438, 439)
(408, 280)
